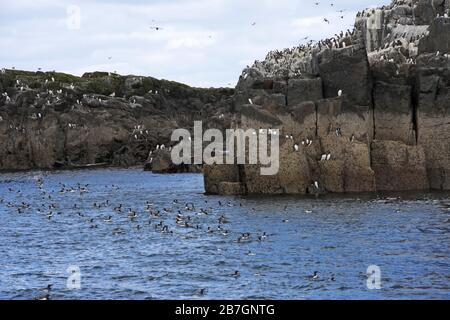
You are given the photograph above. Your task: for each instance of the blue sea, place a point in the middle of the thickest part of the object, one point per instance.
(129, 234)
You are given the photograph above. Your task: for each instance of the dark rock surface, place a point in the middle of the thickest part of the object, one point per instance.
(376, 99)
(54, 120)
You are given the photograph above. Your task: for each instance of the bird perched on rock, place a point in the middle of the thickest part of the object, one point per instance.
(8, 99)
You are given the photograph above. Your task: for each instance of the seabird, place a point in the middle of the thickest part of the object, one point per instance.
(339, 93)
(201, 291)
(250, 101)
(296, 147)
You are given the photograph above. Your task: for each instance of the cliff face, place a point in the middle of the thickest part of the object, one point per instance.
(376, 99)
(54, 120)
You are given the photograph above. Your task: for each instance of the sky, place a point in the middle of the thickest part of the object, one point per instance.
(203, 43)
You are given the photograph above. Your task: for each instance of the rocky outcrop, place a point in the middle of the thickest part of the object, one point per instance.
(375, 101)
(54, 120)
(160, 161)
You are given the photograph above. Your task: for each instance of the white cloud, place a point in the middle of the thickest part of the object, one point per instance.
(202, 43)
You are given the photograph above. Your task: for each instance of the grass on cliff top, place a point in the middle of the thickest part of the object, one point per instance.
(101, 83)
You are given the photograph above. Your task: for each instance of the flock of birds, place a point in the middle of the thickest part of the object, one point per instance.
(176, 219)
(398, 47)
(50, 97)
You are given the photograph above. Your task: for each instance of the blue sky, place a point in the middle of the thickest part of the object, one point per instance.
(202, 43)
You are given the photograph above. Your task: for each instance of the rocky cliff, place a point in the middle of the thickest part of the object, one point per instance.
(375, 101)
(54, 120)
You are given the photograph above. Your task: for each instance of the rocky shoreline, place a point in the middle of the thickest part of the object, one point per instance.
(53, 121)
(367, 110)
(375, 101)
